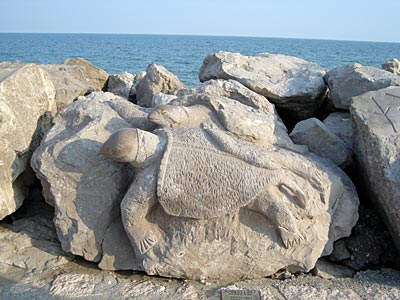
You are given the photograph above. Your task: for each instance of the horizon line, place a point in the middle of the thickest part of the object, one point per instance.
(207, 35)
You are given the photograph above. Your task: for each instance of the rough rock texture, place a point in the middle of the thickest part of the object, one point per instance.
(121, 84)
(376, 124)
(353, 80)
(339, 123)
(157, 80)
(26, 94)
(294, 85)
(162, 99)
(84, 187)
(74, 78)
(317, 137)
(392, 66)
(182, 235)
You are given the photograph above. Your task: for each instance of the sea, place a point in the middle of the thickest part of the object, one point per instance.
(182, 55)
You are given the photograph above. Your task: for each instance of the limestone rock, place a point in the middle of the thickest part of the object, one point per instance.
(247, 235)
(121, 84)
(376, 124)
(328, 270)
(74, 78)
(162, 99)
(157, 80)
(84, 187)
(294, 85)
(353, 80)
(339, 123)
(316, 136)
(26, 94)
(392, 66)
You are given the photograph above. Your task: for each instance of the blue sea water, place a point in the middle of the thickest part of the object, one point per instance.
(182, 55)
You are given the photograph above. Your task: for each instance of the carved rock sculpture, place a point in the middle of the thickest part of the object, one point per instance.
(26, 94)
(376, 119)
(294, 85)
(202, 199)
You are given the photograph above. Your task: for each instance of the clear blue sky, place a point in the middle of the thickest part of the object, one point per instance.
(372, 20)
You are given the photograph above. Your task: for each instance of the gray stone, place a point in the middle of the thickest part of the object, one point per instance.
(292, 84)
(328, 270)
(157, 80)
(178, 234)
(376, 124)
(392, 66)
(68, 165)
(121, 84)
(74, 78)
(26, 94)
(353, 80)
(339, 123)
(162, 99)
(314, 134)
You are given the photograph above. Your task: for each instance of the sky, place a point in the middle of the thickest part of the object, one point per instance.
(364, 20)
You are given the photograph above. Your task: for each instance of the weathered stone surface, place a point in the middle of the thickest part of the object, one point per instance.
(178, 234)
(339, 123)
(317, 137)
(26, 94)
(328, 270)
(392, 66)
(292, 84)
(121, 84)
(162, 99)
(353, 80)
(69, 165)
(376, 119)
(74, 78)
(157, 80)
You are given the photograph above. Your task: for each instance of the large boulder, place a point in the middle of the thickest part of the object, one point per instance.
(157, 80)
(376, 124)
(74, 78)
(353, 80)
(392, 66)
(317, 137)
(339, 123)
(26, 94)
(84, 187)
(294, 85)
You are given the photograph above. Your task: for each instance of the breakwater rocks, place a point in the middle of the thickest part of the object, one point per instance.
(146, 174)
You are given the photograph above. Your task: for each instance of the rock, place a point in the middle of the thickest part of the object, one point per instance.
(74, 78)
(339, 123)
(328, 270)
(31, 244)
(162, 99)
(294, 85)
(353, 80)
(68, 165)
(121, 84)
(376, 124)
(26, 94)
(157, 80)
(316, 136)
(392, 66)
(178, 234)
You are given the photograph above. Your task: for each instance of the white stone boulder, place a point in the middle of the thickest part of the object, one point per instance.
(319, 140)
(162, 99)
(376, 124)
(84, 187)
(26, 94)
(353, 80)
(392, 66)
(75, 77)
(121, 84)
(339, 123)
(294, 85)
(157, 80)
